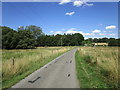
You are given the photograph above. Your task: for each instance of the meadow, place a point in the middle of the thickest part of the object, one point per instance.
(97, 67)
(18, 63)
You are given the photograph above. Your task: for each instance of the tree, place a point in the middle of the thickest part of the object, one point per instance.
(58, 40)
(78, 38)
(118, 41)
(36, 31)
(26, 40)
(112, 42)
(41, 41)
(28, 36)
(9, 38)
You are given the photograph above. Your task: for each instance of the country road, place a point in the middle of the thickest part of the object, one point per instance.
(59, 73)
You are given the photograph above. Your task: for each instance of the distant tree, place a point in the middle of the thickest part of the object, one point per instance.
(78, 38)
(58, 40)
(102, 40)
(90, 39)
(41, 41)
(113, 42)
(118, 41)
(67, 39)
(72, 39)
(105, 40)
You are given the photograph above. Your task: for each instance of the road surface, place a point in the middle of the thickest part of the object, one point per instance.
(59, 73)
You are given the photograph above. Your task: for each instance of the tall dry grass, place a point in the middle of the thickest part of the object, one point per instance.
(104, 57)
(16, 62)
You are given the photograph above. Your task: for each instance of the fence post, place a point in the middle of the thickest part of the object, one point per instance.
(13, 62)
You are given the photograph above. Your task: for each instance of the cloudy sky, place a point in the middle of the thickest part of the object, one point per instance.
(92, 19)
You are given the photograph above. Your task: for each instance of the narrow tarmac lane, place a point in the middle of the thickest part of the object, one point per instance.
(59, 73)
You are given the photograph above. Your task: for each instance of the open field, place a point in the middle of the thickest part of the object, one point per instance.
(16, 64)
(97, 67)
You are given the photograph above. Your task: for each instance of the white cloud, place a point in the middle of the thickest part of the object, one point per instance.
(81, 2)
(88, 34)
(78, 3)
(56, 32)
(96, 31)
(89, 4)
(112, 34)
(81, 32)
(71, 31)
(102, 34)
(110, 27)
(69, 13)
(74, 30)
(51, 31)
(64, 1)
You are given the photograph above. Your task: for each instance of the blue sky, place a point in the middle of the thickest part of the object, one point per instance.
(93, 19)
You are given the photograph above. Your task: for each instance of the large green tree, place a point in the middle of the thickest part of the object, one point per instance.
(26, 40)
(35, 30)
(78, 38)
(9, 38)
(28, 36)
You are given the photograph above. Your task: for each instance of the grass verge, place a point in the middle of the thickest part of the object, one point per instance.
(88, 75)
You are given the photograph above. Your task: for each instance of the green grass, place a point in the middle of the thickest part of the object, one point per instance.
(31, 64)
(88, 75)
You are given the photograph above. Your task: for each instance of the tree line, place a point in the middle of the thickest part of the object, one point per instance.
(23, 38)
(110, 41)
(32, 36)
